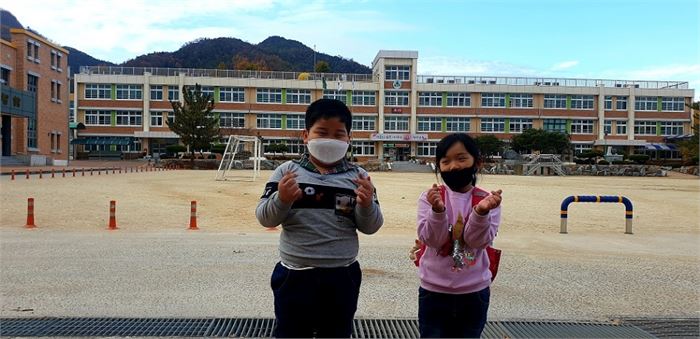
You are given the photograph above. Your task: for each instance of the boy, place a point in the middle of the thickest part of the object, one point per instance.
(321, 201)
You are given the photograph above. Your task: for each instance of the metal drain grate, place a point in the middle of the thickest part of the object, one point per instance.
(262, 328)
(666, 328)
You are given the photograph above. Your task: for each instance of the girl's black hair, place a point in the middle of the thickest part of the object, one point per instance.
(328, 109)
(445, 143)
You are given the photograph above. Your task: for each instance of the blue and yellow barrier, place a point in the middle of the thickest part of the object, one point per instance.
(597, 198)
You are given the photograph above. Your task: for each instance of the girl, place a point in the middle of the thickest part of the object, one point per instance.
(456, 222)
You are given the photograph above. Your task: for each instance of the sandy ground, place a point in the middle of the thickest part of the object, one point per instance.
(153, 266)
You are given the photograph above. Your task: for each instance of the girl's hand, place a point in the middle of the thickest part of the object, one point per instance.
(288, 188)
(364, 191)
(435, 199)
(489, 203)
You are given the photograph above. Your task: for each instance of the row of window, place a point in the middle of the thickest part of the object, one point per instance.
(393, 98)
(401, 123)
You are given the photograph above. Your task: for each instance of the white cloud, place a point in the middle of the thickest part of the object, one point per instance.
(119, 30)
(674, 72)
(564, 65)
(442, 65)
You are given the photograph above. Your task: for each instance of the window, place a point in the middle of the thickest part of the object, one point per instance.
(128, 118)
(364, 98)
(645, 104)
(608, 102)
(645, 127)
(156, 119)
(295, 121)
(56, 60)
(298, 96)
(426, 149)
(96, 91)
(397, 72)
(156, 92)
(173, 93)
(621, 103)
(71, 111)
(459, 99)
(555, 125)
(493, 125)
(395, 98)
(128, 92)
(58, 65)
(231, 94)
(56, 91)
(580, 126)
(669, 128)
(396, 124)
(554, 101)
(269, 95)
(30, 50)
(53, 64)
(206, 90)
(429, 124)
(98, 118)
(363, 147)
(231, 120)
(337, 95)
(273, 121)
(430, 99)
(5, 76)
(31, 133)
(621, 127)
(364, 123)
(673, 104)
(582, 102)
(518, 125)
(32, 83)
(493, 100)
(33, 50)
(581, 148)
(294, 146)
(455, 124)
(521, 101)
(607, 127)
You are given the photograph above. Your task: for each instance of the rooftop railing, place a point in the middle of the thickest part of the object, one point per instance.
(569, 82)
(223, 73)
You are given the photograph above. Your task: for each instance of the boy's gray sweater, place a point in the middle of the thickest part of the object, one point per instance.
(319, 229)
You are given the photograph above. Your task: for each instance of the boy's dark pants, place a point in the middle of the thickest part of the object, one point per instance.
(319, 302)
(443, 315)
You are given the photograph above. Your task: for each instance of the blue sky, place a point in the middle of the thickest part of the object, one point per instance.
(615, 39)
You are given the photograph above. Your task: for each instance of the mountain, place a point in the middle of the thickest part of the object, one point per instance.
(78, 58)
(273, 54)
(8, 21)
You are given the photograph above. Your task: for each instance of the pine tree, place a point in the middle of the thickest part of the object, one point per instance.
(193, 120)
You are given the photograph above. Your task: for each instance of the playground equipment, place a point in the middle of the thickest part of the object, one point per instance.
(538, 162)
(596, 198)
(234, 145)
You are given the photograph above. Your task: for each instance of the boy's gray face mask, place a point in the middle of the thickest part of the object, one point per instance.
(327, 151)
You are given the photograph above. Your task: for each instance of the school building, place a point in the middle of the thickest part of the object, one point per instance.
(397, 113)
(33, 100)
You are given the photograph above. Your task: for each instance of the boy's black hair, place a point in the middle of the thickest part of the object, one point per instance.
(328, 109)
(445, 143)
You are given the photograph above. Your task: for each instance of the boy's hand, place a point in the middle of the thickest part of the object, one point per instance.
(435, 199)
(489, 203)
(288, 188)
(364, 191)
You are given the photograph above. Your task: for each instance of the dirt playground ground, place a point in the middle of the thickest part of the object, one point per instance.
(153, 266)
